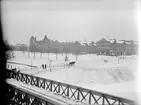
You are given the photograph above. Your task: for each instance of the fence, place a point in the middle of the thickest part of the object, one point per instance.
(70, 91)
(20, 64)
(18, 96)
(11, 66)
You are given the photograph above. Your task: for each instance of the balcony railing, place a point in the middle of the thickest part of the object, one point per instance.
(70, 91)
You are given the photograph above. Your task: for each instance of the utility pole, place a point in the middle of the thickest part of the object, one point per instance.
(31, 64)
(28, 51)
(56, 53)
(41, 54)
(118, 60)
(34, 54)
(48, 49)
(86, 45)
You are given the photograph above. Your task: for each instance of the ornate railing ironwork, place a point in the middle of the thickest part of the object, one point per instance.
(17, 96)
(70, 91)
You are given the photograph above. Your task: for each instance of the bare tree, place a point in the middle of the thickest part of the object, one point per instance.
(9, 51)
(77, 49)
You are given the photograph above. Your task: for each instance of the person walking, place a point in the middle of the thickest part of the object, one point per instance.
(50, 61)
(45, 66)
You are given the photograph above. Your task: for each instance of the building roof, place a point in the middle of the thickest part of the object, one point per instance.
(103, 40)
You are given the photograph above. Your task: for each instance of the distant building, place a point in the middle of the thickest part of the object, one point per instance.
(48, 45)
(106, 47)
(42, 45)
(102, 47)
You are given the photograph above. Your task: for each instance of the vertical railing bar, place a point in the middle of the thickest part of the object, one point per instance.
(78, 94)
(34, 81)
(118, 102)
(31, 79)
(103, 101)
(89, 97)
(26, 79)
(44, 83)
(59, 88)
(40, 82)
(50, 86)
(68, 90)
(37, 81)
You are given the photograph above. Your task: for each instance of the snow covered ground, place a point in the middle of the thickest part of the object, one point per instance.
(90, 71)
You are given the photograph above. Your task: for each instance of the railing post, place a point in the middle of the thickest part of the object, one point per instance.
(20, 76)
(26, 99)
(26, 81)
(78, 94)
(50, 86)
(44, 83)
(14, 74)
(68, 91)
(31, 77)
(119, 102)
(59, 88)
(37, 79)
(17, 75)
(90, 97)
(103, 100)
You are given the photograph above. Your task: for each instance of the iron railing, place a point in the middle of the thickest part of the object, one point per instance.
(70, 91)
(18, 96)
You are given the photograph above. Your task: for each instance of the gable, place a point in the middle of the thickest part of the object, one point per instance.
(103, 41)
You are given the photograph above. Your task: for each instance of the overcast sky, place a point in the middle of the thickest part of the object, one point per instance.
(69, 20)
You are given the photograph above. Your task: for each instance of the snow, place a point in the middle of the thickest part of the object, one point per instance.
(90, 71)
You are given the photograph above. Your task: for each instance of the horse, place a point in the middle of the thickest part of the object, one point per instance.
(72, 63)
(105, 61)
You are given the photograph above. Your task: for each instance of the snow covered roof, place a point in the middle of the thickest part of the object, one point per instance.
(103, 40)
(118, 41)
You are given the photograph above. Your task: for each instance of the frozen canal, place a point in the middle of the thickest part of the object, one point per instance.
(90, 71)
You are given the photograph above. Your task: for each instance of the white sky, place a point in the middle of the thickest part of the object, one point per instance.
(69, 20)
